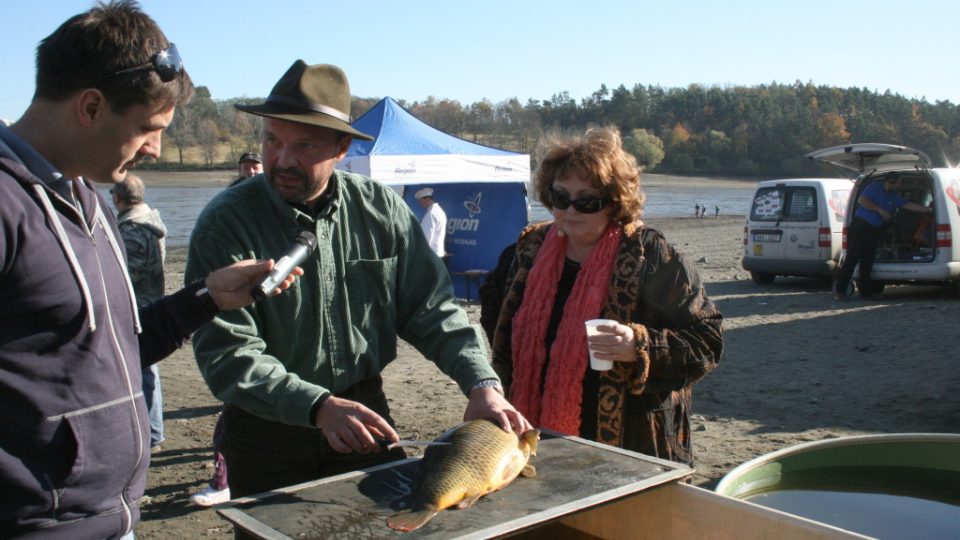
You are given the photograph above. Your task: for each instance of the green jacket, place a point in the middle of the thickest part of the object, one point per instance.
(372, 278)
(143, 235)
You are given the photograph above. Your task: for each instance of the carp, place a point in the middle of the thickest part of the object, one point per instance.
(480, 459)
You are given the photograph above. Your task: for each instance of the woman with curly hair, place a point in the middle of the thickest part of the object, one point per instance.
(597, 259)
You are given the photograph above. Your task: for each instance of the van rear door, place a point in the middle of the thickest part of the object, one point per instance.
(872, 158)
(784, 223)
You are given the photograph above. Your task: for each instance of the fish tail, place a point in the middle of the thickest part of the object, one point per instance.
(410, 521)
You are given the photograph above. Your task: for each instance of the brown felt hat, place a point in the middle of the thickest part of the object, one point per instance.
(318, 95)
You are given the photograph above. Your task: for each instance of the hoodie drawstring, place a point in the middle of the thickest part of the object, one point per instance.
(112, 240)
(69, 252)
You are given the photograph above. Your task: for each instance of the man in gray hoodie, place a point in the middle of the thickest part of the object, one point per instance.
(143, 234)
(74, 437)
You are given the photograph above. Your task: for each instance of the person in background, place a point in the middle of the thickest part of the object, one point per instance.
(716, 211)
(300, 373)
(433, 222)
(492, 289)
(875, 207)
(75, 432)
(696, 210)
(597, 259)
(143, 234)
(217, 490)
(250, 164)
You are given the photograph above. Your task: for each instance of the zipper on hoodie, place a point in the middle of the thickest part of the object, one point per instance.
(54, 492)
(131, 394)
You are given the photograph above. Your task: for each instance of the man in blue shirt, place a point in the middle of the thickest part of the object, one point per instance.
(875, 207)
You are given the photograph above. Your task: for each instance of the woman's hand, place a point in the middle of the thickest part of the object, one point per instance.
(615, 342)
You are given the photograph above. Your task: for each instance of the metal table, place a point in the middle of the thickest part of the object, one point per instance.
(572, 475)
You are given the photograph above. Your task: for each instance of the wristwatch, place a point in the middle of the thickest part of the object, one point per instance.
(488, 383)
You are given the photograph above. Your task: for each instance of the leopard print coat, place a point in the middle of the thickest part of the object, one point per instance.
(643, 406)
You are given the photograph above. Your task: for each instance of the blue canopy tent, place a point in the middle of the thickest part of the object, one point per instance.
(481, 189)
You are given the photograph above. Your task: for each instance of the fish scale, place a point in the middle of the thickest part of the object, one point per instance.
(481, 458)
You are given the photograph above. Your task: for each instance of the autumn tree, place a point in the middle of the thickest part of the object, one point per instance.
(831, 130)
(645, 146)
(748, 130)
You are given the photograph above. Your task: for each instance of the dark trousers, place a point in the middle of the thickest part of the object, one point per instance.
(219, 481)
(862, 241)
(263, 455)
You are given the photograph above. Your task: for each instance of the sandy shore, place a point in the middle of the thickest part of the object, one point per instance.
(187, 179)
(797, 367)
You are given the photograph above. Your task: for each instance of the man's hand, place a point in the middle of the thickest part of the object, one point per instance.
(489, 403)
(230, 286)
(351, 427)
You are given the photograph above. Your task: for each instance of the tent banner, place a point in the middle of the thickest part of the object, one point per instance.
(418, 169)
(482, 219)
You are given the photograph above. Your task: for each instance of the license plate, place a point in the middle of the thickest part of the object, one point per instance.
(766, 237)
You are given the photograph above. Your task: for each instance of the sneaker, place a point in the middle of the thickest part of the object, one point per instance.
(210, 497)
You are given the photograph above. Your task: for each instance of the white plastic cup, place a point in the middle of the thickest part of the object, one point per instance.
(596, 363)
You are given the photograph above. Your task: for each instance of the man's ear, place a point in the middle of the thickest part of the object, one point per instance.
(90, 106)
(343, 145)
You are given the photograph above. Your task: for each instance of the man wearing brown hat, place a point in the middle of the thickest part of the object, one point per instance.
(312, 359)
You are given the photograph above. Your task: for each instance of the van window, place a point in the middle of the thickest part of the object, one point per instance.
(784, 203)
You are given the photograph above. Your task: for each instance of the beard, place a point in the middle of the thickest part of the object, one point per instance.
(302, 192)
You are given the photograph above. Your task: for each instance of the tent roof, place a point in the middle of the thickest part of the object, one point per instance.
(397, 132)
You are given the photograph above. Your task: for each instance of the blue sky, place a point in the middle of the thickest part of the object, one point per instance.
(497, 50)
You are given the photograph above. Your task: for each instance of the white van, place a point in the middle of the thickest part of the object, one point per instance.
(915, 248)
(794, 228)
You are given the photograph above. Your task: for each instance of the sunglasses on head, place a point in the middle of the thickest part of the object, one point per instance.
(584, 205)
(167, 63)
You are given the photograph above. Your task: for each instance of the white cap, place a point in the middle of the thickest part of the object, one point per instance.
(425, 192)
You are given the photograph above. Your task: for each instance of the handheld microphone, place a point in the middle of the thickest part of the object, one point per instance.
(302, 246)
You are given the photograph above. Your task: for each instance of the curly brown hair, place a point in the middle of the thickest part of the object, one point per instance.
(598, 156)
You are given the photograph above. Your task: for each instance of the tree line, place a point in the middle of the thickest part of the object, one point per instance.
(759, 130)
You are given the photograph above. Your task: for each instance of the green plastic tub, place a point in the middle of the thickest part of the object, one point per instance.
(885, 486)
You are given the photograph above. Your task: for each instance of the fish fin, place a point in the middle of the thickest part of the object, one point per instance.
(410, 521)
(529, 471)
(530, 438)
(469, 501)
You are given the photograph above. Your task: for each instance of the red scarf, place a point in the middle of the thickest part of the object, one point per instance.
(558, 406)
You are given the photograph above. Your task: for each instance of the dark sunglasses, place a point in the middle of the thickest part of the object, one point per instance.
(584, 205)
(167, 63)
